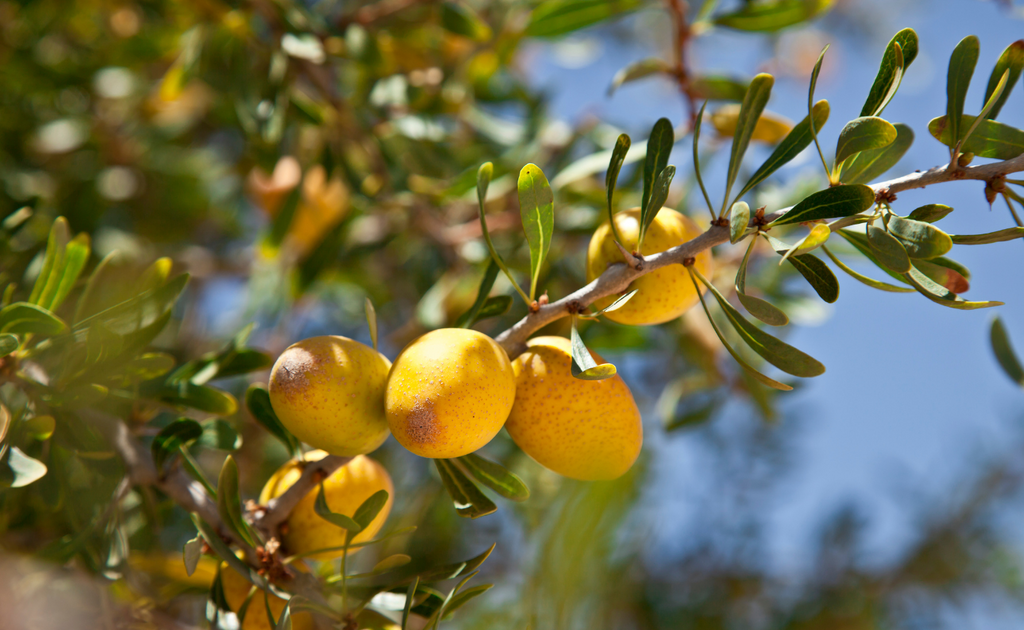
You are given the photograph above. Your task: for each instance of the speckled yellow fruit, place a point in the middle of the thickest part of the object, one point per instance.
(345, 490)
(664, 294)
(329, 392)
(586, 430)
(449, 393)
(770, 128)
(236, 589)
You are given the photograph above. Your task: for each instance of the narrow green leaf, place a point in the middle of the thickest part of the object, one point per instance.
(774, 15)
(739, 219)
(983, 115)
(864, 134)
(818, 275)
(837, 201)
(860, 241)
(659, 195)
(371, 321)
(469, 318)
(257, 400)
(1008, 234)
(75, 256)
(888, 249)
(1012, 61)
(618, 303)
(897, 78)
(773, 350)
(761, 309)
(468, 499)
(583, 365)
(696, 158)
(659, 147)
(612, 177)
(759, 377)
(178, 433)
(990, 139)
(324, 511)
(191, 554)
(922, 240)
(26, 469)
(871, 282)
(945, 273)
(560, 17)
(225, 553)
(718, 88)
(798, 139)
(750, 111)
(370, 508)
(229, 501)
(192, 396)
(22, 318)
(814, 239)
(449, 571)
(941, 295)
(410, 595)
(284, 622)
(639, 70)
(906, 41)
(46, 284)
(930, 213)
(462, 598)
(140, 312)
(5, 425)
(483, 181)
(39, 427)
(867, 165)
(391, 562)
(1005, 355)
(496, 477)
(537, 209)
(812, 121)
(219, 435)
(8, 344)
(958, 79)
(457, 18)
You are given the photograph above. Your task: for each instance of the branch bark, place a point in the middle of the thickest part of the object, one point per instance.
(277, 510)
(617, 278)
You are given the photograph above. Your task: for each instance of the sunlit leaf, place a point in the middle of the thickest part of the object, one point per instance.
(906, 40)
(22, 318)
(462, 598)
(718, 88)
(619, 152)
(46, 283)
(370, 508)
(618, 303)
(659, 195)
(946, 273)
(990, 139)
(798, 139)
(229, 501)
(179, 433)
(76, 255)
(496, 477)
(837, 201)
(871, 282)
(739, 219)
(989, 104)
(864, 134)
(470, 317)
(8, 344)
(583, 365)
(868, 165)
(468, 499)
(659, 147)
(220, 435)
(26, 469)
(998, 236)
(922, 240)
(888, 249)
(930, 213)
(371, 321)
(750, 111)
(941, 295)
(257, 400)
(761, 309)
(191, 554)
(458, 18)
(773, 15)
(1011, 62)
(1005, 355)
(958, 79)
(559, 17)
(324, 511)
(537, 209)
(639, 70)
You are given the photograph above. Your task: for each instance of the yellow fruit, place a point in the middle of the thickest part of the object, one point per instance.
(236, 589)
(345, 490)
(329, 392)
(449, 393)
(586, 430)
(664, 294)
(770, 128)
(324, 205)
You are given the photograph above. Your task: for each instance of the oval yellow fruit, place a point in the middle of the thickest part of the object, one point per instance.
(663, 294)
(587, 430)
(329, 392)
(449, 393)
(770, 128)
(236, 589)
(345, 490)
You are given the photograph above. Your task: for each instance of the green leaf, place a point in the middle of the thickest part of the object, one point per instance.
(454, 570)
(739, 219)
(871, 282)
(958, 79)
(818, 275)
(812, 122)
(192, 396)
(583, 365)
(639, 70)
(220, 435)
(371, 321)
(888, 249)
(989, 104)
(457, 18)
(284, 622)
(469, 318)
(26, 469)
(860, 241)
(906, 42)
(191, 554)
(773, 350)
(696, 157)
(718, 88)
(761, 378)
(946, 273)
(410, 595)
(496, 477)
(537, 209)
(940, 294)
(462, 598)
(75, 256)
(867, 165)
(775, 15)
(229, 501)
(837, 201)
(798, 139)
(922, 240)
(990, 139)
(225, 553)
(930, 213)
(761, 309)
(619, 152)
(864, 134)
(140, 312)
(618, 303)
(750, 111)
(1005, 355)
(39, 427)
(257, 400)
(483, 181)
(559, 17)
(370, 508)
(815, 238)
(468, 499)
(22, 318)
(659, 195)
(1012, 61)
(324, 511)
(1008, 234)
(46, 283)
(659, 147)
(8, 344)
(176, 434)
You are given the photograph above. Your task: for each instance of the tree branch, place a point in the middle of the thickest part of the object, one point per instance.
(617, 278)
(277, 510)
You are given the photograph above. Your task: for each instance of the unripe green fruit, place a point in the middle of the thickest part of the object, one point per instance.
(329, 392)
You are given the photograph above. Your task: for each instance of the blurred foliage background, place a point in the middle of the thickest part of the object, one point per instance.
(297, 157)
